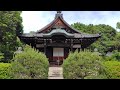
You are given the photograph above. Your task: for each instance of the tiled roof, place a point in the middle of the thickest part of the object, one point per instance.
(58, 15)
(78, 34)
(62, 32)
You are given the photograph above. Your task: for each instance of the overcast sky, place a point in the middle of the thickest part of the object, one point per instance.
(35, 20)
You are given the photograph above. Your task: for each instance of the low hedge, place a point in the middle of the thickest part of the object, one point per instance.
(83, 65)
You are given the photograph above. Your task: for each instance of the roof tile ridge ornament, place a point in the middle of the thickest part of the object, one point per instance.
(59, 14)
(59, 11)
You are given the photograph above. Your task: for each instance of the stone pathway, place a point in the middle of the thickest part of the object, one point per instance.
(55, 73)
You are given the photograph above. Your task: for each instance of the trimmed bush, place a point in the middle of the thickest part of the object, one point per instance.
(4, 70)
(30, 64)
(83, 65)
(112, 69)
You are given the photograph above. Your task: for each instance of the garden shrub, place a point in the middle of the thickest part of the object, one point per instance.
(83, 65)
(4, 70)
(113, 69)
(30, 64)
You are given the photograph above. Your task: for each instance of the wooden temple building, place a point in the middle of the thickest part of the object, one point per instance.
(58, 38)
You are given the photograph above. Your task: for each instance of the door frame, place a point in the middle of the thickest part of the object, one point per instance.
(59, 57)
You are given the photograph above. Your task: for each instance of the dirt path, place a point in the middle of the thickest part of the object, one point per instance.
(55, 73)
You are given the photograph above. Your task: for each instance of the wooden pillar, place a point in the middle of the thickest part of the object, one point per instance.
(81, 44)
(45, 46)
(71, 45)
(35, 41)
(50, 41)
(78, 49)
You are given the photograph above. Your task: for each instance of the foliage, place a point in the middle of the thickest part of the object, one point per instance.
(117, 40)
(109, 58)
(19, 43)
(115, 55)
(4, 70)
(113, 69)
(10, 28)
(118, 25)
(108, 40)
(1, 56)
(30, 64)
(83, 65)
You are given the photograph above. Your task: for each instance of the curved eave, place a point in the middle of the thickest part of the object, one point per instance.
(88, 41)
(32, 35)
(83, 35)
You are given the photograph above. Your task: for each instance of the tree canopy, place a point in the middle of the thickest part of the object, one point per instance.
(118, 25)
(109, 36)
(10, 28)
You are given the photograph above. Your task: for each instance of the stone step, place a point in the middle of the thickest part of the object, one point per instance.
(55, 73)
(55, 77)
